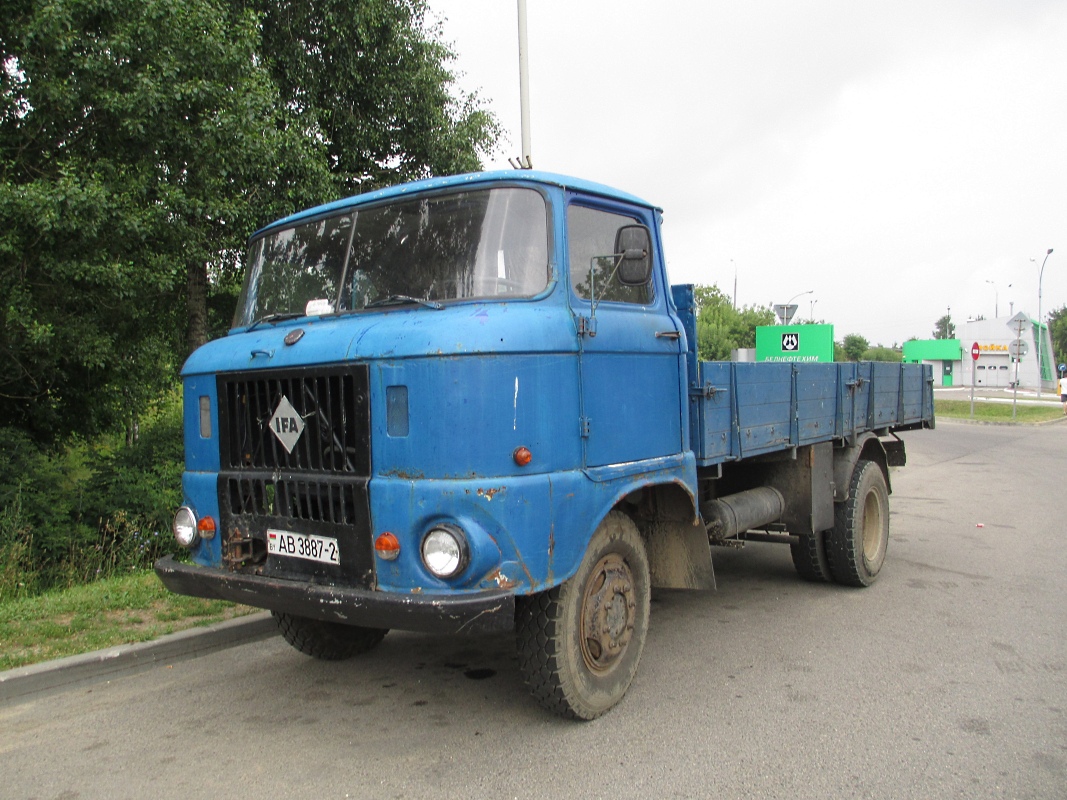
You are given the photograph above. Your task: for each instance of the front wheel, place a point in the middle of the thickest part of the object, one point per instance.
(328, 641)
(857, 544)
(580, 643)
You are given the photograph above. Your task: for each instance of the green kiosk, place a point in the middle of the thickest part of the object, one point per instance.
(944, 354)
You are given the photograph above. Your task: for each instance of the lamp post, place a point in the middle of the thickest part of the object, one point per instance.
(996, 300)
(790, 301)
(811, 310)
(1040, 335)
(526, 159)
(735, 281)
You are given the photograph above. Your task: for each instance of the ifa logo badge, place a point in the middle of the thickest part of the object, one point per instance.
(286, 424)
(790, 342)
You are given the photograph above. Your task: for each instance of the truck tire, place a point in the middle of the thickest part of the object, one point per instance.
(580, 643)
(857, 544)
(327, 641)
(809, 557)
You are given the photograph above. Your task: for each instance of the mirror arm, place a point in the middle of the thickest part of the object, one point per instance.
(593, 302)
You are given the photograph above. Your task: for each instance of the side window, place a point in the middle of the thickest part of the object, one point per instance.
(591, 240)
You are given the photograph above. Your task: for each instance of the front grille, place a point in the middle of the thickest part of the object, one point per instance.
(332, 404)
(317, 487)
(333, 502)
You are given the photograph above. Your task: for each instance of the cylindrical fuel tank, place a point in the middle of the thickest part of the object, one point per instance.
(725, 517)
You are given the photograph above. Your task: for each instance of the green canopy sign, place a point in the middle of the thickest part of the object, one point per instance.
(795, 343)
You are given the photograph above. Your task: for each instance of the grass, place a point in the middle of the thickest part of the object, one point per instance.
(996, 412)
(132, 608)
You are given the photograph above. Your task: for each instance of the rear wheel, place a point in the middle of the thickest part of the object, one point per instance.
(580, 643)
(328, 641)
(809, 557)
(857, 544)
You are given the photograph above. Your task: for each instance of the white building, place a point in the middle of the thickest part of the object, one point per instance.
(995, 366)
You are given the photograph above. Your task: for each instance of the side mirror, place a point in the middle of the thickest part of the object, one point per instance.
(633, 246)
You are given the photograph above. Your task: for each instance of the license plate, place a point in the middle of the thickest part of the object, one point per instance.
(302, 545)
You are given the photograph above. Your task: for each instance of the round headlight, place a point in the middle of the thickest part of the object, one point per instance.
(444, 551)
(184, 527)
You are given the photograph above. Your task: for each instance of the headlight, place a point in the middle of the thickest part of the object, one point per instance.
(444, 551)
(184, 527)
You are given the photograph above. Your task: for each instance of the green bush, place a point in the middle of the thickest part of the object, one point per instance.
(42, 492)
(18, 576)
(137, 488)
(88, 510)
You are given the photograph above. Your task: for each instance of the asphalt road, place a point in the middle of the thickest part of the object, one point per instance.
(947, 678)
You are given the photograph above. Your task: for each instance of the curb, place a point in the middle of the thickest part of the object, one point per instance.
(128, 659)
(1005, 423)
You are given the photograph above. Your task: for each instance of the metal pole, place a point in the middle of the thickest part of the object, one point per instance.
(526, 162)
(974, 376)
(1018, 358)
(1040, 336)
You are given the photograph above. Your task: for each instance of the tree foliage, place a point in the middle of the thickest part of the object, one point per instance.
(142, 141)
(1057, 326)
(879, 353)
(854, 346)
(944, 328)
(721, 328)
(372, 81)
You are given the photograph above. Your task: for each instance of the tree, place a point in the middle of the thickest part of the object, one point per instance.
(371, 79)
(141, 141)
(1057, 326)
(880, 353)
(944, 329)
(721, 328)
(854, 346)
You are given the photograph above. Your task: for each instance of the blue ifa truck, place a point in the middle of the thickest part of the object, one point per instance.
(474, 404)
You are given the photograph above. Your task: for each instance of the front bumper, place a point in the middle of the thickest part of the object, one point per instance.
(484, 612)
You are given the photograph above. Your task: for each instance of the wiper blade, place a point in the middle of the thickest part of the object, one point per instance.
(278, 317)
(403, 300)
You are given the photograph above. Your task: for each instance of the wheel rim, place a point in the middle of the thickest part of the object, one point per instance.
(609, 609)
(873, 526)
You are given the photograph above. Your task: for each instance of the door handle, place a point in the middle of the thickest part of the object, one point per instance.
(668, 335)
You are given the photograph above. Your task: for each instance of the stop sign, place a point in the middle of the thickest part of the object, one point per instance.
(974, 351)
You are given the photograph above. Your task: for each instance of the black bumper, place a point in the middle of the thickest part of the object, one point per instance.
(485, 612)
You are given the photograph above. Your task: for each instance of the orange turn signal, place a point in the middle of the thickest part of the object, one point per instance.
(387, 546)
(522, 456)
(206, 528)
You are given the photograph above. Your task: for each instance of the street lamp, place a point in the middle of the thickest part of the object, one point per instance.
(1040, 336)
(789, 302)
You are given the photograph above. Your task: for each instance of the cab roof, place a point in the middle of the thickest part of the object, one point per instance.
(473, 179)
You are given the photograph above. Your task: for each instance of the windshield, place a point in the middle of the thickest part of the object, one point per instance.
(478, 244)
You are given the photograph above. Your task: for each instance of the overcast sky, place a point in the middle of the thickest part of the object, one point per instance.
(892, 157)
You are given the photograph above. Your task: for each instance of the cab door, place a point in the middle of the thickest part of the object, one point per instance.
(631, 354)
